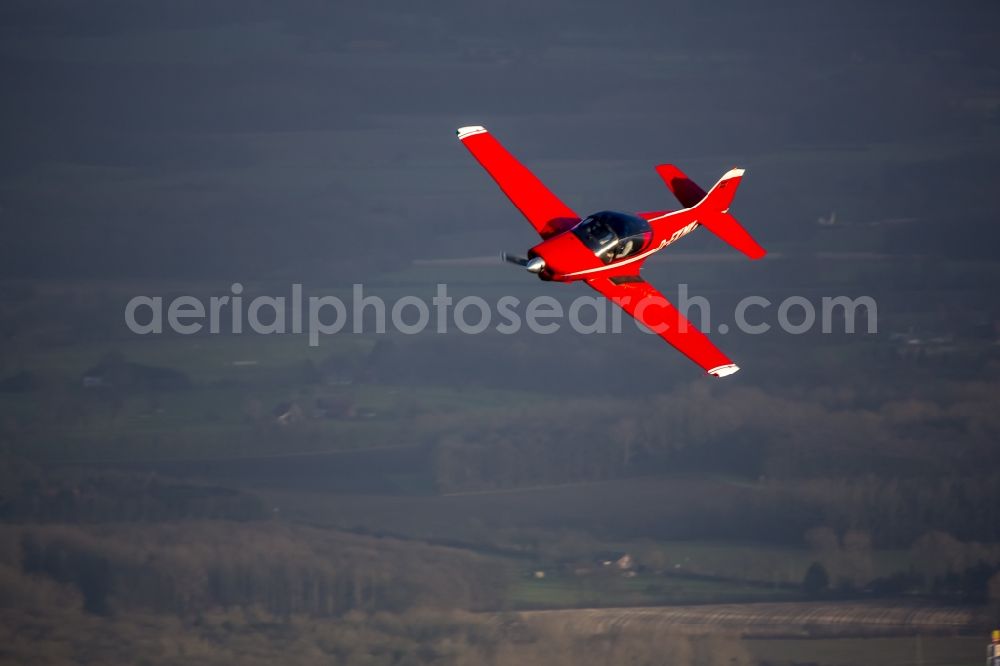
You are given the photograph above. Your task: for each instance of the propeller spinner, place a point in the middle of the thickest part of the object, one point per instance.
(534, 265)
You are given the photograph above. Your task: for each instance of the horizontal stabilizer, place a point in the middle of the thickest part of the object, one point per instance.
(685, 189)
(716, 217)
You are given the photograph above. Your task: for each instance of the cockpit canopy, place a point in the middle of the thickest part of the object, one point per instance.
(612, 236)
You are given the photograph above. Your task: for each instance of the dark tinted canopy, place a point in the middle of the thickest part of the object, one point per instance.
(611, 235)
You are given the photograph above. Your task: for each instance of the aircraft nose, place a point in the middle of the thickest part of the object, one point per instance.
(535, 265)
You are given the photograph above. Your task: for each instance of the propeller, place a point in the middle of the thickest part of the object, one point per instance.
(534, 265)
(514, 259)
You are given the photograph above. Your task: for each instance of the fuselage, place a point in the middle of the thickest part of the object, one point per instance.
(610, 243)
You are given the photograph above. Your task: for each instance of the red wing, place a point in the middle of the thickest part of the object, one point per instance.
(547, 214)
(641, 300)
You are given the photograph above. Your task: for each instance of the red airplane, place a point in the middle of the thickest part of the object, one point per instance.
(607, 249)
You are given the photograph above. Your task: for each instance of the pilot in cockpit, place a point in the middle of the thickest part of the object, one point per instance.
(612, 236)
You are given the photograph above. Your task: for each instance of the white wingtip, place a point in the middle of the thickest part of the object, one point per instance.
(724, 370)
(733, 173)
(464, 132)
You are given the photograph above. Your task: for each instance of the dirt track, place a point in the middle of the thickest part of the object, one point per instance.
(768, 619)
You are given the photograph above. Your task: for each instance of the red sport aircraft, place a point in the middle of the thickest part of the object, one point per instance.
(607, 249)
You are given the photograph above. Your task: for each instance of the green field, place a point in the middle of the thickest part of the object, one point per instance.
(604, 589)
(236, 382)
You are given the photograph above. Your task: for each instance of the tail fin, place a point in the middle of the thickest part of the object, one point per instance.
(716, 217)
